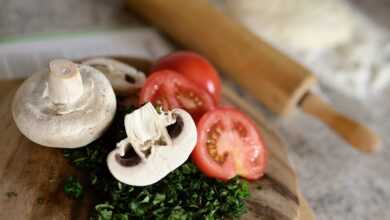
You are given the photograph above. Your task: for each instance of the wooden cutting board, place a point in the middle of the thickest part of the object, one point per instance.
(31, 176)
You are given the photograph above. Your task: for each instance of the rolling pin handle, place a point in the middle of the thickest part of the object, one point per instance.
(356, 134)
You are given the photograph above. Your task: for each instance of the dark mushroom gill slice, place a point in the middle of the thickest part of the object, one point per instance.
(176, 128)
(130, 158)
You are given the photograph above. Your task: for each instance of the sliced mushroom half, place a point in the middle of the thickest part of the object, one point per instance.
(157, 144)
(125, 79)
(67, 106)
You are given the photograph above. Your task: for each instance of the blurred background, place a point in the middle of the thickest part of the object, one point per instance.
(345, 43)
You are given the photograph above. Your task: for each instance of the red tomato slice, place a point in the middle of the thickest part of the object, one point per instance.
(229, 145)
(194, 67)
(172, 90)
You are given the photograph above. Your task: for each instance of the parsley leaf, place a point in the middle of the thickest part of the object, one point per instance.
(73, 188)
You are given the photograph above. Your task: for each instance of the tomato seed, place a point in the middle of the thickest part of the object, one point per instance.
(211, 146)
(240, 129)
(213, 152)
(211, 141)
(214, 135)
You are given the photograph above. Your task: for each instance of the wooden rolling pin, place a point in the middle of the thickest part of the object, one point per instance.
(272, 77)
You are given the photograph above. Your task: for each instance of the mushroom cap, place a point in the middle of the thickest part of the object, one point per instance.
(162, 160)
(124, 78)
(64, 126)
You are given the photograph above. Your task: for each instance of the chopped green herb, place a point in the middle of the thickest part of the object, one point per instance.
(73, 188)
(184, 194)
(104, 211)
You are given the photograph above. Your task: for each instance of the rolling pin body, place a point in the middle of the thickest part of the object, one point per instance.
(270, 76)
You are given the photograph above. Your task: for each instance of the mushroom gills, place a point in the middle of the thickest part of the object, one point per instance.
(163, 141)
(127, 156)
(176, 128)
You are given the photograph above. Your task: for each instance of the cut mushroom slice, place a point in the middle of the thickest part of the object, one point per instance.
(157, 144)
(67, 106)
(125, 79)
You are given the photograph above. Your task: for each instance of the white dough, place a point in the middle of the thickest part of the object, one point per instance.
(300, 24)
(344, 49)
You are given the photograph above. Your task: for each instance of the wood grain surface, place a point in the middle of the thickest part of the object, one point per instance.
(31, 176)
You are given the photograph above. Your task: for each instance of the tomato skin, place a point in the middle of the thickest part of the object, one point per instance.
(247, 158)
(194, 67)
(172, 90)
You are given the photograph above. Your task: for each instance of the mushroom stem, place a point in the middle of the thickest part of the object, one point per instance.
(65, 85)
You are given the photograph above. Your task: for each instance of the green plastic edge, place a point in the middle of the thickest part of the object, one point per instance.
(58, 35)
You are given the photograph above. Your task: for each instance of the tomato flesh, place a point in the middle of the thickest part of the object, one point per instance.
(229, 145)
(170, 89)
(194, 67)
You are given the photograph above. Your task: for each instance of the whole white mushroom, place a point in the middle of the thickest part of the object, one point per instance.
(125, 79)
(67, 106)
